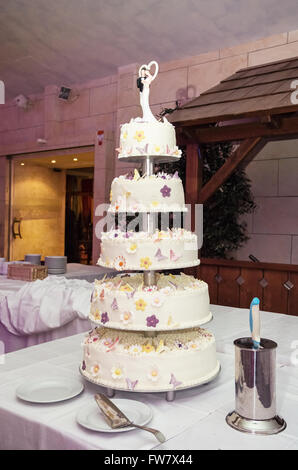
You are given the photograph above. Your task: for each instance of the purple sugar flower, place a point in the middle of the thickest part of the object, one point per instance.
(152, 321)
(165, 191)
(127, 234)
(104, 317)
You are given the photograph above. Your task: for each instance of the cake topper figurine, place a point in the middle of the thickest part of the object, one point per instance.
(143, 83)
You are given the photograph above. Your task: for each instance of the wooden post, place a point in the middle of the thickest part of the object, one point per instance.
(194, 172)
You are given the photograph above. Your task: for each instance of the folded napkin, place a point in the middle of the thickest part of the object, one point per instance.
(46, 304)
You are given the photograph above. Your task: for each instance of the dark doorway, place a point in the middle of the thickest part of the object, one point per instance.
(79, 215)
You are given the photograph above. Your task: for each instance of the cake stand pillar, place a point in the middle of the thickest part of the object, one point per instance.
(110, 392)
(170, 395)
(148, 166)
(150, 278)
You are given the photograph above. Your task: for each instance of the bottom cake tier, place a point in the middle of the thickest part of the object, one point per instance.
(138, 362)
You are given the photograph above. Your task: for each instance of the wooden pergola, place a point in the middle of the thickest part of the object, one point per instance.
(251, 107)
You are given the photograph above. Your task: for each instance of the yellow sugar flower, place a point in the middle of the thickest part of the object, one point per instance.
(97, 315)
(111, 196)
(132, 248)
(157, 149)
(145, 262)
(154, 203)
(140, 304)
(124, 136)
(148, 348)
(126, 288)
(139, 136)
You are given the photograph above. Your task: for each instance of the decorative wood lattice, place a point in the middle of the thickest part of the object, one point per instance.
(235, 283)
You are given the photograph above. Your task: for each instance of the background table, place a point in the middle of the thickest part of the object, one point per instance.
(195, 420)
(10, 286)
(73, 271)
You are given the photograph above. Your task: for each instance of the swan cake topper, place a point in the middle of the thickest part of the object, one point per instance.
(143, 83)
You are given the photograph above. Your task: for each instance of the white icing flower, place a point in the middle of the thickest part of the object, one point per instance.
(109, 285)
(149, 288)
(135, 349)
(166, 290)
(95, 370)
(126, 317)
(117, 372)
(157, 299)
(192, 345)
(153, 374)
(119, 263)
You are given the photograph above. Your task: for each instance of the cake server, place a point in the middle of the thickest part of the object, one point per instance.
(117, 419)
(254, 322)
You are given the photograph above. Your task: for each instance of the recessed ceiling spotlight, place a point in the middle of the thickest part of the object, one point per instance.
(22, 164)
(75, 159)
(53, 161)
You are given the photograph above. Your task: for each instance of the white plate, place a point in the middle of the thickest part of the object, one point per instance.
(49, 390)
(90, 416)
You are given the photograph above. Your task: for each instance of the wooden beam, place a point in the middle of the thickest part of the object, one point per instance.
(241, 156)
(193, 174)
(279, 127)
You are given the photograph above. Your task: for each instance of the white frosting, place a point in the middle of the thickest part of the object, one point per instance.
(168, 361)
(177, 301)
(171, 249)
(156, 193)
(138, 138)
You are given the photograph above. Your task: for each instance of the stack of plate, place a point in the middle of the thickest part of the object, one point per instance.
(33, 259)
(56, 264)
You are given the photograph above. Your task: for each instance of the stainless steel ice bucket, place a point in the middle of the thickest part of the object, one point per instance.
(255, 382)
(255, 388)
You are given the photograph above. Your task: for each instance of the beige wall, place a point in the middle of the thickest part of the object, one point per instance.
(39, 200)
(106, 103)
(273, 227)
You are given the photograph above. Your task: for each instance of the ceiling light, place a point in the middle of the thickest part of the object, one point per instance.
(75, 159)
(22, 164)
(53, 161)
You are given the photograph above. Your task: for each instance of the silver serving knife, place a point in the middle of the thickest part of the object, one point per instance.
(117, 419)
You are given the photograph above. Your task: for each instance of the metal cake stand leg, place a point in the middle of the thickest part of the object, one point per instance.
(170, 395)
(110, 392)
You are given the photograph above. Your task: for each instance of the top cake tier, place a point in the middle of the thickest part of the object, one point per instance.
(156, 139)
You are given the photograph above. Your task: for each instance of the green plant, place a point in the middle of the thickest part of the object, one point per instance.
(224, 232)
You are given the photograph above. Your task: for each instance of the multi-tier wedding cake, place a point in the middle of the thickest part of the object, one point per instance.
(147, 334)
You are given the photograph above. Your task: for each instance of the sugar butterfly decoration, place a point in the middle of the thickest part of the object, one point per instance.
(159, 255)
(174, 381)
(131, 384)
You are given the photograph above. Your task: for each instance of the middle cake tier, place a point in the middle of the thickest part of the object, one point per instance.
(175, 302)
(134, 251)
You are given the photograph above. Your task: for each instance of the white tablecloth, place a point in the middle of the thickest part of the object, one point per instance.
(195, 420)
(33, 320)
(73, 271)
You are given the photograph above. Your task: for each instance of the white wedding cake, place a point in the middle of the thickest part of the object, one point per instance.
(147, 334)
